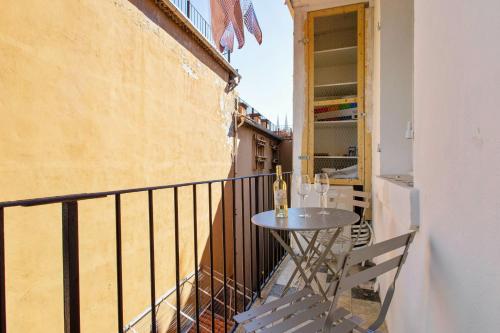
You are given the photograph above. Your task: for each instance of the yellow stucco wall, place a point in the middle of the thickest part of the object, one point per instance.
(95, 96)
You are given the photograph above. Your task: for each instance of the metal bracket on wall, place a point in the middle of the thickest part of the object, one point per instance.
(304, 40)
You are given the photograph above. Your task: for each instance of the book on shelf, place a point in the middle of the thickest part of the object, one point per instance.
(335, 107)
(335, 115)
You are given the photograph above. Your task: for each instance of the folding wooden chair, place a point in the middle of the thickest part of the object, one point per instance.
(307, 312)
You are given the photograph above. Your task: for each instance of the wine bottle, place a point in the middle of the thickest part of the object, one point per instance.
(280, 200)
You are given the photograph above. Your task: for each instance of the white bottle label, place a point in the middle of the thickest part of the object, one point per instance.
(280, 198)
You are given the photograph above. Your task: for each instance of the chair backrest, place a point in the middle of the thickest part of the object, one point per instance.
(396, 249)
(354, 198)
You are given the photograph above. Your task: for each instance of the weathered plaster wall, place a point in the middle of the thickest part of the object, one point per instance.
(95, 96)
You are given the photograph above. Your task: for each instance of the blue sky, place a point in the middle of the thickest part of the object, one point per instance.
(267, 69)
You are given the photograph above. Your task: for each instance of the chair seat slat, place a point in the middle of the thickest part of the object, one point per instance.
(299, 319)
(312, 327)
(318, 324)
(282, 313)
(370, 273)
(252, 313)
(362, 194)
(373, 251)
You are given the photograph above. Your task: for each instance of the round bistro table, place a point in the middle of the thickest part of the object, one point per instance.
(314, 223)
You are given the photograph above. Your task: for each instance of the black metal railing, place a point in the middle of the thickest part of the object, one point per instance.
(247, 276)
(199, 22)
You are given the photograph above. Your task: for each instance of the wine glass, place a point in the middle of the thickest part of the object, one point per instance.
(321, 185)
(303, 185)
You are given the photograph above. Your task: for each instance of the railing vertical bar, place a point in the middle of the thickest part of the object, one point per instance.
(277, 245)
(235, 277)
(119, 281)
(152, 261)
(265, 231)
(257, 237)
(224, 253)
(289, 190)
(71, 274)
(3, 311)
(196, 280)
(271, 239)
(268, 236)
(177, 263)
(243, 254)
(275, 248)
(211, 245)
(280, 248)
(250, 204)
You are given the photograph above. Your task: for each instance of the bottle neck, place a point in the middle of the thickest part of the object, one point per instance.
(279, 175)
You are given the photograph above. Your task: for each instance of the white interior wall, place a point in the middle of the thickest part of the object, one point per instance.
(450, 281)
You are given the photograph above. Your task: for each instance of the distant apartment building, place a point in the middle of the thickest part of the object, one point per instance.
(261, 144)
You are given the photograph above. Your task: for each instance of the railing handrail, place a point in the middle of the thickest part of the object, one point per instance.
(95, 195)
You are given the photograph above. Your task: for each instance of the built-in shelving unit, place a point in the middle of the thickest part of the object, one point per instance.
(336, 79)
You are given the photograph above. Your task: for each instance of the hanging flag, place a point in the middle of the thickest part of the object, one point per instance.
(227, 22)
(251, 21)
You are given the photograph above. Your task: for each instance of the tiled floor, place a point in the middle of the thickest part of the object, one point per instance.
(362, 302)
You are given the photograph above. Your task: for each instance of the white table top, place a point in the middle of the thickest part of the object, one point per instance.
(337, 218)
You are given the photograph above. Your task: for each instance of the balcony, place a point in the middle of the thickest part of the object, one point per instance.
(100, 95)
